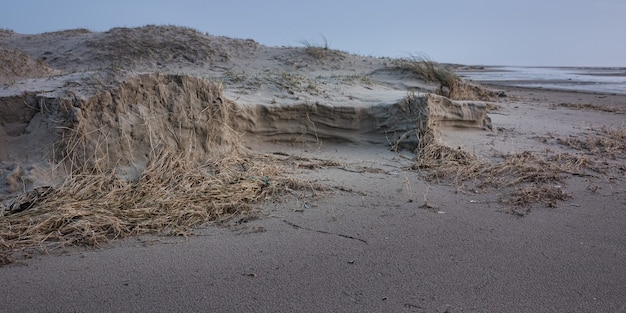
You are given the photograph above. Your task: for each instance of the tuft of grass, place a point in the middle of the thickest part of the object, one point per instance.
(293, 83)
(520, 200)
(317, 50)
(321, 51)
(151, 44)
(356, 78)
(449, 84)
(236, 77)
(17, 65)
(6, 32)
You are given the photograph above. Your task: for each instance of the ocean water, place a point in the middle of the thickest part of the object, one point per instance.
(587, 79)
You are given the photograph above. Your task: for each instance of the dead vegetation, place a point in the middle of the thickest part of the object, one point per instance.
(521, 199)
(6, 32)
(195, 171)
(450, 85)
(591, 107)
(152, 45)
(606, 141)
(523, 178)
(173, 194)
(322, 51)
(17, 65)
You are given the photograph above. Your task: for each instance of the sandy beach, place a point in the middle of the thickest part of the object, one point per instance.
(516, 205)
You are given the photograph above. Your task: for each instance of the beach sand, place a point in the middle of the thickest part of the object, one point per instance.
(369, 230)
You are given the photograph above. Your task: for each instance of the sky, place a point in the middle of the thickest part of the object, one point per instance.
(476, 32)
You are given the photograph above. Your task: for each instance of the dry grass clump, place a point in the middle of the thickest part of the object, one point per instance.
(194, 169)
(6, 32)
(520, 200)
(519, 168)
(18, 65)
(71, 32)
(591, 106)
(605, 141)
(322, 51)
(314, 164)
(152, 44)
(293, 83)
(525, 177)
(450, 84)
(573, 164)
(530, 176)
(440, 162)
(443, 163)
(173, 194)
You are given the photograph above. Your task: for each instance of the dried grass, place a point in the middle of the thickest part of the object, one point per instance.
(526, 177)
(196, 171)
(322, 51)
(173, 195)
(443, 164)
(17, 65)
(450, 85)
(520, 201)
(604, 141)
(591, 106)
(152, 43)
(440, 162)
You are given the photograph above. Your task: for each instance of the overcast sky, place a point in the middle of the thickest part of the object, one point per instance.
(488, 32)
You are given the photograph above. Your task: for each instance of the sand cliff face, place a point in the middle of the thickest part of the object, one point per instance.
(376, 124)
(113, 100)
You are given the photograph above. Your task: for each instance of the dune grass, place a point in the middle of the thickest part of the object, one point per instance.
(449, 84)
(151, 44)
(321, 51)
(317, 50)
(173, 195)
(196, 171)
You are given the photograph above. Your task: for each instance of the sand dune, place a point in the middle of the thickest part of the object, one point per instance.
(163, 129)
(116, 91)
